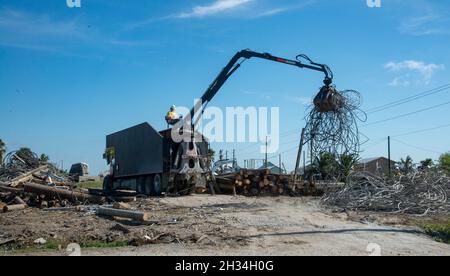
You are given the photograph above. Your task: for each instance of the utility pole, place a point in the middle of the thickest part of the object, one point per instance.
(279, 159)
(299, 153)
(234, 158)
(226, 155)
(389, 156)
(266, 160)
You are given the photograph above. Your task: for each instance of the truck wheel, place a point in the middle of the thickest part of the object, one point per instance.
(157, 185)
(107, 184)
(148, 185)
(140, 186)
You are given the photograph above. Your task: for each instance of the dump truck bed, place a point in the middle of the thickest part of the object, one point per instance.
(138, 151)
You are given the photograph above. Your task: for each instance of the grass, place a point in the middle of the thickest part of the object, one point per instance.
(57, 245)
(91, 185)
(439, 231)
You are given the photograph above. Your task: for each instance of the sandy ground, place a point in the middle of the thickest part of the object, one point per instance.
(226, 225)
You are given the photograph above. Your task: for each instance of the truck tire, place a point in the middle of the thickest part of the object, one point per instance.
(148, 185)
(157, 184)
(140, 185)
(107, 184)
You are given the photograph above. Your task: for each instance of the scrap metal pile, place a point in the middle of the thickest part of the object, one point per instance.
(24, 166)
(331, 124)
(422, 193)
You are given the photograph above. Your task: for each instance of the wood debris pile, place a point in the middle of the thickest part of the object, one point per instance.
(26, 181)
(261, 183)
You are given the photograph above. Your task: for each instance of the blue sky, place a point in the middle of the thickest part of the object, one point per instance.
(69, 76)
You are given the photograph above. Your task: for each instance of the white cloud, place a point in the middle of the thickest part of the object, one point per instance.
(271, 12)
(19, 22)
(280, 10)
(431, 24)
(424, 71)
(219, 6)
(400, 81)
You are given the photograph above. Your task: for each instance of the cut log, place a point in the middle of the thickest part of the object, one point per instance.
(2, 205)
(121, 205)
(71, 196)
(134, 215)
(6, 189)
(18, 200)
(15, 207)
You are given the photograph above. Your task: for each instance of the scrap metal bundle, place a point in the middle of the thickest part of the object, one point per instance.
(17, 164)
(24, 166)
(331, 125)
(419, 194)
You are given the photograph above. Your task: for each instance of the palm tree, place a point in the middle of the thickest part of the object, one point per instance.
(326, 165)
(444, 162)
(25, 153)
(44, 158)
(426, 164)
(2, 151)
(406, 165)
(347, 164)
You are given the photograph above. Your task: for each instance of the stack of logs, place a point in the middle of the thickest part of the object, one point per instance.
(255, 183)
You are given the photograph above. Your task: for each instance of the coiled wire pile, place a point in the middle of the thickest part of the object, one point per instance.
(421, 193)
(332, 122)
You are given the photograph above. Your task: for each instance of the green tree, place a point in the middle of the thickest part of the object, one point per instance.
(44, 158)
(347, 164)
(211, 158)
(25, 153)
(326, 165)
(426, 164)
(2, 151)
(444, 162)
(406, 165)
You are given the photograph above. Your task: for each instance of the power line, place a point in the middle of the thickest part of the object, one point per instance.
(422, 130)
(407, 114)
(409, 99)
(416, 147)
(285, 134)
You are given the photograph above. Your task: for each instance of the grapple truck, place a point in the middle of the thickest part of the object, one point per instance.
(152, 162)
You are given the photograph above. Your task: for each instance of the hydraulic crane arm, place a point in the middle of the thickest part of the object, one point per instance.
(243, 55)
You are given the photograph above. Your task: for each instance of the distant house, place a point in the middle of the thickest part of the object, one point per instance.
(376, 165)
(273, 168)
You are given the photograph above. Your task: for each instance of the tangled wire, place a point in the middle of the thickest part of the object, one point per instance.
(17, 163)
(422, 193)
(331, 125)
